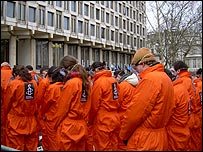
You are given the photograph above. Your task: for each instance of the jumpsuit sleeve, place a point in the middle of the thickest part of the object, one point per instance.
(139, 109)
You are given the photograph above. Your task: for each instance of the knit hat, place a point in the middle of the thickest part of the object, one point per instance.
(142, 55)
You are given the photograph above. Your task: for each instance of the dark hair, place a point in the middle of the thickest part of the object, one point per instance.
(180, 65)
(29, 67)
(70, 63)
(57, 76)
(199, 71)
(99, 65)
(51, 71)
(44, 69)
(118, 72)
(169, 73)
(22, 72)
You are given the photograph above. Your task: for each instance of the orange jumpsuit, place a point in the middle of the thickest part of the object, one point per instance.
(43, 85)
(21, 123)
(104, 114)
(49, 108)
(71, 116)
(126, 92)
(144, 122)
(194, 110)
(6, 74)
(177, 128)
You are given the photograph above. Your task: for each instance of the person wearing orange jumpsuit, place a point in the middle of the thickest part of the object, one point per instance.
(34, 74)
(21, 123)
(177, 128)
(194, 105)
(6, 74)
(104, 116)
(127, 85)
(143, 125)
(73, 107)
(49, 106)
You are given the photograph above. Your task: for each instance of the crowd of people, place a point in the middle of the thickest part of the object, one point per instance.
(93, 109)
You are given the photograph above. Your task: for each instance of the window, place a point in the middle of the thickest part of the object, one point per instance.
(50, 19)
(107, 17)
(102, 2)
(107, 4)
(80, 8)
(58, 53)
(42, 54)
(73, 24)
(58, 20)
(58, 3)
(138, 29)
(105, 55)
(121, 37)
(86, 10)
(21, 11)
(124, 24)
(124, 38)
(120, 8)
(120, 22)
(128, 40)
(112, 35)
(50, 2)
(66, 23)
(96, 55)
(103, 32)
(73, 6)
(116, 36)
(131, 27)
(66, 5)
(107, 33)
(116, 4)
(127, 24)
(135, 41)
(116, 21)
(41, 16)
(111, 4)
(102, 14)
(2, 8)
(32, 14)
(97, 14)
(97, 31)
(112, 19)
(4, 50)
(86, 28)
(80, 27)
(92, 27)
(85, 56)
(10, 9)
(73, 50)
(92, 11)
(130, 12)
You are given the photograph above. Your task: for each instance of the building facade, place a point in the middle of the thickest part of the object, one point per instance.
(40, 33)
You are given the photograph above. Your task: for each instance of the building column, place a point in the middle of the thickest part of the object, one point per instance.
(90, 56)
(12, 51)
(79, 54)
(100, 55)
(50, 54)
(33, 53)
(65, 49)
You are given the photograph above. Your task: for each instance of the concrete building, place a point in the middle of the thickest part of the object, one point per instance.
(40, 33)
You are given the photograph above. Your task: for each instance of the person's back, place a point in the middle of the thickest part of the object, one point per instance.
(49, 108)
(194, 123)
(177, 128)
(103, 114)
(6, 74)
(73, 107)
(127, 86)
(22, 132)
(143, 124)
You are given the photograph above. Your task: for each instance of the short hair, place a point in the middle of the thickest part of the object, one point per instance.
(180, 65)
(29, 67)
(98, 64)
(199, 71)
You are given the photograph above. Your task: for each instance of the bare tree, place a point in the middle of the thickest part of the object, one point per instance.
(178, 24)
